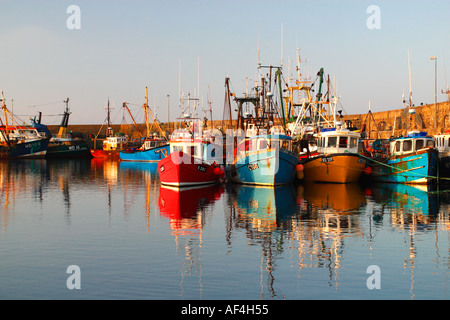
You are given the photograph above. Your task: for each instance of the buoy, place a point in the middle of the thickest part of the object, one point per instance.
(368, 170)
(299, 169)
(218, 172)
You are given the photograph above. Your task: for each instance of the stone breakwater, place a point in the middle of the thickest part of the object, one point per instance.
(386, 123)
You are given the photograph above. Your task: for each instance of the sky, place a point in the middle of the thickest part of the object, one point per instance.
(120, 47)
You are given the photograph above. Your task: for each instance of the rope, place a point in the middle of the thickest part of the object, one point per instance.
(395, 169)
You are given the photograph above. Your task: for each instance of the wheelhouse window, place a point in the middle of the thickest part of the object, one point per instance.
(419, 144)
(332, 142)
(353, 142)
(343, 142)
(397, 146)
(407, 145)
(177, 148)
(430, 144)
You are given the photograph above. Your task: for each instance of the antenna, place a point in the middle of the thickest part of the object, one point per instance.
(410, 90)
(198, 76)
(179, 81)
(258, 58)
(281, 63)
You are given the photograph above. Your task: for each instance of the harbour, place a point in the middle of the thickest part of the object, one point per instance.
(163, 152)
(133, 240)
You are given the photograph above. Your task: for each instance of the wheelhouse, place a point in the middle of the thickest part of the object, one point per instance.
(331, 140)
(442, 142)
(263, 142)
(413, 142)
(113, 143)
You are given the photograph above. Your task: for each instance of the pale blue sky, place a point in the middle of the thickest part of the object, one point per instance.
(124, 46)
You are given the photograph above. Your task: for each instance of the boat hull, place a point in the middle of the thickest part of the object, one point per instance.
(182, 170)
(420, 167)
(68, 151)
(270, 167)
(334, 168)
(106, 154)
(151, 155)
(35, 149)
(444, 165)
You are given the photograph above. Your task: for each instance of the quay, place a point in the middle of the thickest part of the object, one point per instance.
(386, 123)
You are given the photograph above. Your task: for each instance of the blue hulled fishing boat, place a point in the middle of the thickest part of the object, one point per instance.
(152, 150)
(263, 152)
(410, 159)
(154, 147)
(264, 160)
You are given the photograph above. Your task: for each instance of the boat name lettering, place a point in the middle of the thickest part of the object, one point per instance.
(201, 168)
(253, 166)
(327, 159)
(32, 145)
(360, 160)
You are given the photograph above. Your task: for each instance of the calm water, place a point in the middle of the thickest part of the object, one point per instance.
(133, 239)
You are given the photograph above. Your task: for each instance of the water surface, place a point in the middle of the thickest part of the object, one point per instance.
(133, 239)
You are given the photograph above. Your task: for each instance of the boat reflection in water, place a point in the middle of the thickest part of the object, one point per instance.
(409, 204)
(264, 207)
(187, 207)
(147, 167)
(334, 198)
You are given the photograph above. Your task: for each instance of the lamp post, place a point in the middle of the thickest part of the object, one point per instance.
(435, 91)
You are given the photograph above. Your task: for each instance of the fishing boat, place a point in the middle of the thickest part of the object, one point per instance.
(191, 161)
(442, 144)
(63, 145)
(154, 148)
(264, 153)
(113, 143)
(338, 160)
(20, 141)
(410, 159)
(264, 160)
(327, 148)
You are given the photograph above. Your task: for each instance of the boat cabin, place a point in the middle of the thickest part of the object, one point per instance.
(263, 142)
(115, 143)
(198, 148)
(153, 143)
(442, 142)
(413, 142)
(330, 140)
(19, 133)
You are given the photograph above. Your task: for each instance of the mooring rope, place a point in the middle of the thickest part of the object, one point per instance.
(396, 169)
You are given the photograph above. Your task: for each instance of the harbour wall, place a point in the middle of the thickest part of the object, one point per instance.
(382, 124)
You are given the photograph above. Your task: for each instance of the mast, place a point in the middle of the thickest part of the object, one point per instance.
(108, 116)
(5, 111)
(146, 108)
(65, 121)
(210, 105)
(281, 98)
(149, 111)
(109, 129)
